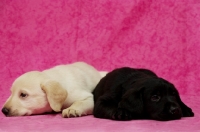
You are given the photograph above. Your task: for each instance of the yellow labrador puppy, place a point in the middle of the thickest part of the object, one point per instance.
(66, 88)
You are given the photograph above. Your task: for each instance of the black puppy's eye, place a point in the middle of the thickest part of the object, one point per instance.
(23, 95)
(155, 98)
(173, 93)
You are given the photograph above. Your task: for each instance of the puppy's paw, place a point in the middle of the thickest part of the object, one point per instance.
(187, 112)
(122, 114)
(69, 112)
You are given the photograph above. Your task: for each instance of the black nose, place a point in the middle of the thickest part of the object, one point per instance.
(5, 111)
(174, 110)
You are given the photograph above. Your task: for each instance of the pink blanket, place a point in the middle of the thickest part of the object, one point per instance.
(163, 36)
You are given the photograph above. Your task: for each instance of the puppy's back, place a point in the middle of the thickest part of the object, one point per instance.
(113, 80)
(83, 75)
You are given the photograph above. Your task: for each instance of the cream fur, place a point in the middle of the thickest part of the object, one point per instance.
(66, 88)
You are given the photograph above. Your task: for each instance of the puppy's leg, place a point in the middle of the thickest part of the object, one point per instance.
(107, 107)
(79, 108)
(187, 111)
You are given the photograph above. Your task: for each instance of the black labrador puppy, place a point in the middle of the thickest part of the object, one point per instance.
(128, 93)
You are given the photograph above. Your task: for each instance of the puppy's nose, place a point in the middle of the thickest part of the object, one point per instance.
(174, 110)
(5, 111)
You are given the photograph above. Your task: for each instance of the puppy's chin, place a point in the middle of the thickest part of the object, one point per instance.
(39, 111)
(166, 117)
(15, 114)
(28, 112)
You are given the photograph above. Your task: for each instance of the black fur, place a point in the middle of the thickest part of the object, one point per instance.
(128, 93)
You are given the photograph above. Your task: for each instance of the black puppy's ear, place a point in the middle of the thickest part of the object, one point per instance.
(186, 111)
(132, 101)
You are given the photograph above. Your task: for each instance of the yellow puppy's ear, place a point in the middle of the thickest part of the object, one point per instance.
(56, 94)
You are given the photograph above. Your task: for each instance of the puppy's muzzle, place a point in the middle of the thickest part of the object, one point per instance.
(5, 111)
(174, 110)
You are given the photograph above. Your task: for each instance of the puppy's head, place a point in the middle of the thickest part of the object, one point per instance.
(156, 98)
(33, 93)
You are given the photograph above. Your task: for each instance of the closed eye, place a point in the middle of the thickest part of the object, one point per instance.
(173, 93)
(23, 95)
(155, 98)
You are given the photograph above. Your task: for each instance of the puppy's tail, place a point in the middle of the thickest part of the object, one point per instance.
(103, 73)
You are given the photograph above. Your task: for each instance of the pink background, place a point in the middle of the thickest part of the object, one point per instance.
(161, 35)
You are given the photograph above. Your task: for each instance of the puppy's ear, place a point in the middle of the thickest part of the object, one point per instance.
(186, 111)
(56, 94)
(132, 101)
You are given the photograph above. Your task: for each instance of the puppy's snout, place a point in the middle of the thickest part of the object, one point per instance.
(174, 110)
(5, 111)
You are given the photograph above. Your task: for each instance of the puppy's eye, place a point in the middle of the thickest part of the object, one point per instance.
(23, 95)
(155, 98)
(173, 93)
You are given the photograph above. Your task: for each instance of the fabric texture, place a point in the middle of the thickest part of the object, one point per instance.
(163, 36)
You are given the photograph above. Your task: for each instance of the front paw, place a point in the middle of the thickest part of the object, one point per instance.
(122, 114)
(187, 112)
(69, 112)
